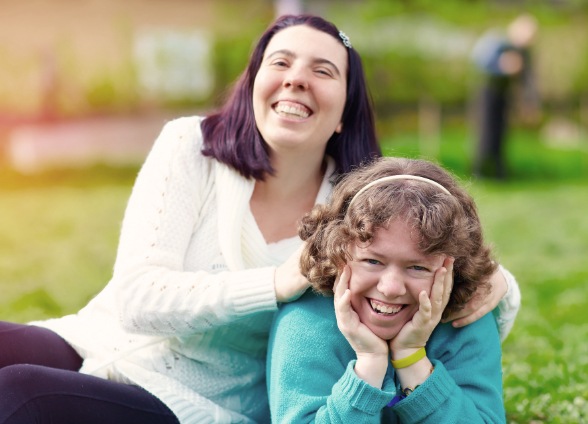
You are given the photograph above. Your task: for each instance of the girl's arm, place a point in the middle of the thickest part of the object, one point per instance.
(459, 379)
(466, 383)
(311, 377)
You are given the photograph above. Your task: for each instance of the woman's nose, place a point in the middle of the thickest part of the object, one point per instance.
(391, 283)
(296, 78)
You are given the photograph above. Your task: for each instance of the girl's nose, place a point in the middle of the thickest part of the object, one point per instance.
(391, 283)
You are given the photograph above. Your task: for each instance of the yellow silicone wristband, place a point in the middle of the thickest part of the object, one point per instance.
(410, 359)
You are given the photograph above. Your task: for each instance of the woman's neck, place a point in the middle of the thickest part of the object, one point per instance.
(281, 200)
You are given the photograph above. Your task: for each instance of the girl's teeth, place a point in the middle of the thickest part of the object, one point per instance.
(384, 309)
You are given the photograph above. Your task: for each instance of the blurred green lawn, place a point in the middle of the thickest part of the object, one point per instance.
(58, 237)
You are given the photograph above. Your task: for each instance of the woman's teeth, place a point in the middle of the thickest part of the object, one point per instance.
(291, 110)
(384, 309)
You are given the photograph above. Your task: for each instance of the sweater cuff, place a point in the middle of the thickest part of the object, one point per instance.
(428, 397)
(359, 394)
(252, 291)
(509, 305)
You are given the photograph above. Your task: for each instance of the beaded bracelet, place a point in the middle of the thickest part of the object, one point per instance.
(406, 391)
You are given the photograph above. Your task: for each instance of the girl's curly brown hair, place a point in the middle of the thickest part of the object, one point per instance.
(441, 224)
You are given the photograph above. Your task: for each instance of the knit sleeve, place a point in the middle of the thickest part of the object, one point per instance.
(310, 369)
(508, 308)
(155, 294)
(466, 384)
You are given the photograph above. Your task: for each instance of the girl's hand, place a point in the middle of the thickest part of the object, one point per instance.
(417, 331)
(479, 305)
(289, 283)
(372, 351)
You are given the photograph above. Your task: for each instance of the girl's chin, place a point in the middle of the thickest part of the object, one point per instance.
(385, 333)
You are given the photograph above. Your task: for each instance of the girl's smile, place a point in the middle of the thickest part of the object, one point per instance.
(387, 277)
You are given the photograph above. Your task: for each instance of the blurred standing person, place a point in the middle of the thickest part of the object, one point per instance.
(505, 61)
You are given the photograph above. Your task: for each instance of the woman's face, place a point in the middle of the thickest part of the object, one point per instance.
(387, 277)
(300, 89)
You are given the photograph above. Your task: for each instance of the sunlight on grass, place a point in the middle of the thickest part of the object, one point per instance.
(59, 243)
(58, 247)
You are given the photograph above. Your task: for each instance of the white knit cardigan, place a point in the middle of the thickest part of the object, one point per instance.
(187, 313)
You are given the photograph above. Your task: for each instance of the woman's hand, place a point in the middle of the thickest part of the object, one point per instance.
(372, 351)
(289, 283)
(417, 331)
(480, 304)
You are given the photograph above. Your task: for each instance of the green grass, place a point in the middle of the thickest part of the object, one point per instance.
(541, 234)
(58, 245)
(58, 237)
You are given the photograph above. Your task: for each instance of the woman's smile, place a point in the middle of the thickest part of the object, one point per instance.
(300, 89)
(292, 110)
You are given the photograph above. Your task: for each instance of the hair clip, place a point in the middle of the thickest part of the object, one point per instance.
(345, 39)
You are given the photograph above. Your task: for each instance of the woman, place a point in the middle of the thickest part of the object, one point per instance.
(393, 234)
(208, 248)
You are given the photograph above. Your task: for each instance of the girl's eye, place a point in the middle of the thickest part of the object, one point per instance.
(373, 261)
(418, 268)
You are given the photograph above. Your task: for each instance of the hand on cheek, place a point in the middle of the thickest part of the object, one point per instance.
(371, 351)
(360, 337)
(417, 331)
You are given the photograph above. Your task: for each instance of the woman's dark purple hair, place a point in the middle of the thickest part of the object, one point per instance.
(231, 136)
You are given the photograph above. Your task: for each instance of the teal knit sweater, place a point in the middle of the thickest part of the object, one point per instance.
(311, 378)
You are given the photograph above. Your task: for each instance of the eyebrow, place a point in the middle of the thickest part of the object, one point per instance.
(378, 254)
(318, 60)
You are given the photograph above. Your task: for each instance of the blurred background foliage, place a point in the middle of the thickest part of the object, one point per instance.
(64, 62)
(413, 51)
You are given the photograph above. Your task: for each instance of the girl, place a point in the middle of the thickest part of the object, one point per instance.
(387, 244)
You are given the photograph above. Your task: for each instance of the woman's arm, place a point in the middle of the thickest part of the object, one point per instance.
(504, 298)
(156, 292)
(509, 305)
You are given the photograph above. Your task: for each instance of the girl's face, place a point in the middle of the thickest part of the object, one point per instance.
(387, 277)
(300, 89)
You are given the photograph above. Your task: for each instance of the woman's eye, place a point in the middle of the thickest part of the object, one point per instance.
(324, 72)
(280, 63)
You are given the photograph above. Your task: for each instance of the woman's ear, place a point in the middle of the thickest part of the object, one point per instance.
(339, 128)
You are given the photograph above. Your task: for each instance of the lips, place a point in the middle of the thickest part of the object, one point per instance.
(291, 110)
